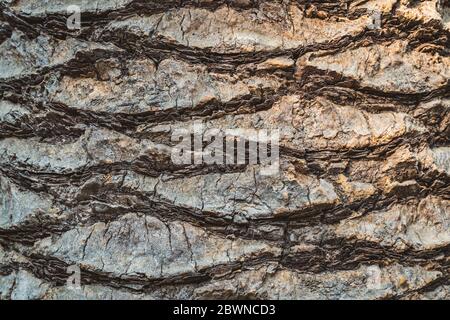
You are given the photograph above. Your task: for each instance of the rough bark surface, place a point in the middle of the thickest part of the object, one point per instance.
(360, 209)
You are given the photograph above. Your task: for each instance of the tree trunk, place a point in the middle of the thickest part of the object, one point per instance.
(102, 197)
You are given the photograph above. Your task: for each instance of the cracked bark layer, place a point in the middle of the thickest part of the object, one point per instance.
(86, 176)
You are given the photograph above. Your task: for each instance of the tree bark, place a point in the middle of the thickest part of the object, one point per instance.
(91, 117)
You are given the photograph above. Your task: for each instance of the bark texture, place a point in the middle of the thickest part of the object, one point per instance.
(360, 209)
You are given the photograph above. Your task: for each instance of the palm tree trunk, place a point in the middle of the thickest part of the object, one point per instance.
(102, 104)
